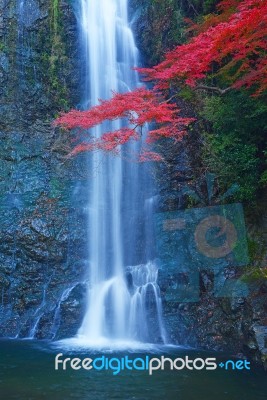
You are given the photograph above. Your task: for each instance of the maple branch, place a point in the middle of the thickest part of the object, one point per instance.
(191, 5)
(213, 89)
(171, 98)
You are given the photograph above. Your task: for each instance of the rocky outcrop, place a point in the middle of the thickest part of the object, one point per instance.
(158, 25)
(42, 194)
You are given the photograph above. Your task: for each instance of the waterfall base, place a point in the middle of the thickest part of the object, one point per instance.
(105, 345)
(138, 298)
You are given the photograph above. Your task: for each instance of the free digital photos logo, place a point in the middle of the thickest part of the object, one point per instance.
(147, 363)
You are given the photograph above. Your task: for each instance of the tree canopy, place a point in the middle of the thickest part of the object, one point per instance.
(227, 51)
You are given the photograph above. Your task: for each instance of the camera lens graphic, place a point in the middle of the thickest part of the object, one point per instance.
(224, 228)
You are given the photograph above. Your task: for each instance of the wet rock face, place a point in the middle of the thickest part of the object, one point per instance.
(157, 26)
(42, 195)
(207, 302)
(214, 308)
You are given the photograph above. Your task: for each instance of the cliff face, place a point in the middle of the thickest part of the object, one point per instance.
(41, 193)
(156, 24)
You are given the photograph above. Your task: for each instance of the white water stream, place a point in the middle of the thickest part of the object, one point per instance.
(120, 227)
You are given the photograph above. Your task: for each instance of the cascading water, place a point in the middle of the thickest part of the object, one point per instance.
(123, 303)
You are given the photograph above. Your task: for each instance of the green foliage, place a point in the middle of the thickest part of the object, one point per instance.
(234, 147)
(187, 93)
(263, 179)
(2, 46)
(255, 271)
(195, 8)
(54, 60)
(209, 6)
(55, 16)
(57, 57)
(255, 274)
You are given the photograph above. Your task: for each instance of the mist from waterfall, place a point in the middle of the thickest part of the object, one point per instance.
(124, 303)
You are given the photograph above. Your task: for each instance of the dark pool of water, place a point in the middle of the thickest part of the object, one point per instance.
(27, 372)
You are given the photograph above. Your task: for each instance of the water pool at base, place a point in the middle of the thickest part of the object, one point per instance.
(27, 372)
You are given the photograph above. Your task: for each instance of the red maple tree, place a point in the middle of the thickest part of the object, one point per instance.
(228, 48)
(234, 48)
(135, 109)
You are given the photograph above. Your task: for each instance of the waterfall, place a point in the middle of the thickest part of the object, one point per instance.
(123, 301)
(57, 315)
(39, 312)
